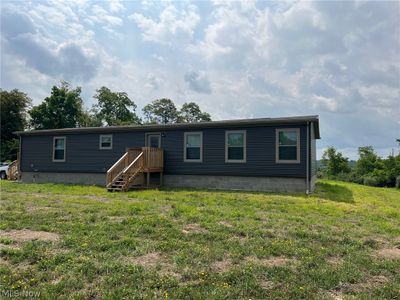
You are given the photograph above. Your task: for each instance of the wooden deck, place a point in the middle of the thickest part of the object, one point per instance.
(136, 162)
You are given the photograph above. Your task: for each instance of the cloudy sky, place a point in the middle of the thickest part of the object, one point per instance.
(340, 60)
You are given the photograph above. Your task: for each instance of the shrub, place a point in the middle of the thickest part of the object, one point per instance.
(370, 180)
(376, 178)
(351, 177)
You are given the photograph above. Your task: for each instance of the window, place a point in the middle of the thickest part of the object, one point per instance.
(193, 147)
(288, 145)
(105, 141)
(235, 146)
(59, 149)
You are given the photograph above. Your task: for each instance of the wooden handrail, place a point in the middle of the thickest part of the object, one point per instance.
(116, 169)
(132, 170)
(13, 170)
(128, 168)
(134, 161)
(118, 162)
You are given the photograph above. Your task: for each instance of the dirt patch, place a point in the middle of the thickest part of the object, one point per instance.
(353, 288)
(117, 218)
(389, 253)
(377, 280)
(153, 260)
(369, 283)
(4, 262)
(225, 223)
(148, 260)
(375, 242)
(193, 228)
(270, 262)
(94, 197)
(222, 265)
(30, 235)
(34, 208)
(335, 295)
(266, 284)
(334, 260)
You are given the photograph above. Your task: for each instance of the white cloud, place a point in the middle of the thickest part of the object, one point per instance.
(173, 25)
(100, 15)
(116, 6)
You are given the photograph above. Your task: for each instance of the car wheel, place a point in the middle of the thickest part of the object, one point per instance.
(3, 175)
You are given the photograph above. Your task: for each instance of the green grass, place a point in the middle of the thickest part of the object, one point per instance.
(197, 244)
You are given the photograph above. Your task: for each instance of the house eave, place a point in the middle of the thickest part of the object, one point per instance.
(211, 124)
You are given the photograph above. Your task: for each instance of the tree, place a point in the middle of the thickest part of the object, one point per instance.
(114, 108)
(90, 119)
(368, 161)
(63, 109)
(190, 112)
(335, 162)
(161, 111)
(14, 106)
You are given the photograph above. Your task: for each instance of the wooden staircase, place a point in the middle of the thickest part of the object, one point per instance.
(129, 170)
(13, 171)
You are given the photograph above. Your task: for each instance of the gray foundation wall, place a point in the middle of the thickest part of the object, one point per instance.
(312, 183)
(263, 184)
(71, 178)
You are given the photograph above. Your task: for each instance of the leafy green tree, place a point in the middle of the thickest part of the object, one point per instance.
(114, 108)
(334, 162)
(190, 112)
(161, 111)
(63, 109)
(90, 119)
(368, 161)
(14, 105)
(391, 165)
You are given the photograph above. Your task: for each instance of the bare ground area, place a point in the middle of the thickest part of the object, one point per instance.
(24, 235)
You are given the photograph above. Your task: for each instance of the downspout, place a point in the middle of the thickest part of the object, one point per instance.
(19, 157)
(308, 161)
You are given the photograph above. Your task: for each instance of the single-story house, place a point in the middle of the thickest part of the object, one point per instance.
(266, 154)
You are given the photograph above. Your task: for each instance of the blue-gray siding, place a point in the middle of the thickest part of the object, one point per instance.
(83, 154)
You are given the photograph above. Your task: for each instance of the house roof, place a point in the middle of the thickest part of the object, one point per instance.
(211, 124)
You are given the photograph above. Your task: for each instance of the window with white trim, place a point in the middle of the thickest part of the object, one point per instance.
(193, 147)
(235, 146)
(59, 149)
(105, 141)
(288, 145)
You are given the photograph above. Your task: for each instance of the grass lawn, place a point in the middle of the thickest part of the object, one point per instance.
(82, 242)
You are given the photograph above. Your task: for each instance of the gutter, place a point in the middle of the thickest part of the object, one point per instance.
(162, 127)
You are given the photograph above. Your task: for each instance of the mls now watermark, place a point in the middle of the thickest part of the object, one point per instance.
(18, 294)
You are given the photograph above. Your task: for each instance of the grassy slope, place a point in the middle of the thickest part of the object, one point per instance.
(330, 238)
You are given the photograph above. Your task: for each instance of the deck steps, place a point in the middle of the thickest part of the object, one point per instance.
(123, 175)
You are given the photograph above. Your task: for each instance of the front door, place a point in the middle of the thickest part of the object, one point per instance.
(154, 140)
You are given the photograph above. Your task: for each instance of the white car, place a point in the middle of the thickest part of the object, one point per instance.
(3, 170)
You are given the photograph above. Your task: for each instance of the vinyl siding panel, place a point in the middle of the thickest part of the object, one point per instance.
(83, 154)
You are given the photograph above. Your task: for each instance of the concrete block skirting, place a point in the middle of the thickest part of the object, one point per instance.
(71, 178)
(263, 184)
(312, 183)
